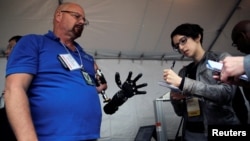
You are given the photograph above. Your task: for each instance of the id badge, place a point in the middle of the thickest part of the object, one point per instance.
(68, 61)
(87, 78)
(193, 107)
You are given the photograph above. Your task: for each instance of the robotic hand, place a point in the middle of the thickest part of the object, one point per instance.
(128, 89)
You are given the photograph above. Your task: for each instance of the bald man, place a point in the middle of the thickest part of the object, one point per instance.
(50, 93)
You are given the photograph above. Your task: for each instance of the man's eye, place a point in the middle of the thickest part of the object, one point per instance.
(77, 16)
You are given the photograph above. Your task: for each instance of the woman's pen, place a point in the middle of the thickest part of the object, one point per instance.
(172, 67)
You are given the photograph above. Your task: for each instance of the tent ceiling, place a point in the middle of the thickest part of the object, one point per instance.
(138, 29)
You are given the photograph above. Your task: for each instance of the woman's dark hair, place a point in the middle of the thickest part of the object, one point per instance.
(188, 30)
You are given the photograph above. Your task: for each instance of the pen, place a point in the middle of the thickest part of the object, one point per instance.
(172, 67)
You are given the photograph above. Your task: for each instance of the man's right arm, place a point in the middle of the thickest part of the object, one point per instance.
(17, 106)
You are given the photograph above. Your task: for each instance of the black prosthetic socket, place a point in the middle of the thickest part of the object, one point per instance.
(117, 100)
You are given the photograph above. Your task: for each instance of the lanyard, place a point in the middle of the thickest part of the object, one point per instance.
(81, 64)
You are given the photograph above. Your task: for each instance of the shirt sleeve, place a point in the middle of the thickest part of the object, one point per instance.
(247, 66)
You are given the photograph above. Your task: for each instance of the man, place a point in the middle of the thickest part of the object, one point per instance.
(12, 42)
(51, 92)
(5, 130)
(236, 66)
(233, 67)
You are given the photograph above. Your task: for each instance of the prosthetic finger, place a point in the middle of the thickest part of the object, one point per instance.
(118, 80)
(141, 85)
(140, 92)
(129, 76)
(137, 77)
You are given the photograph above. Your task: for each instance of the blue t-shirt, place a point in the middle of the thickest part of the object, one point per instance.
(63, 106)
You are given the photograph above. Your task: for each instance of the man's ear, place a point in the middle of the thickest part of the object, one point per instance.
(244, 35)
(58, 16)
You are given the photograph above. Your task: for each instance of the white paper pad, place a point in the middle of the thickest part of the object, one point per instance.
(165, 84)
(216, 66)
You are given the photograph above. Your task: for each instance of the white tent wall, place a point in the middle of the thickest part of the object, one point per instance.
(2, 73)
(138, 110)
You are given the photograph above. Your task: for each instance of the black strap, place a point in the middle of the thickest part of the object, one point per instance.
(177, 133)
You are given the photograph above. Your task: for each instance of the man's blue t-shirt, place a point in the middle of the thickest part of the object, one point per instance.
(63, 106)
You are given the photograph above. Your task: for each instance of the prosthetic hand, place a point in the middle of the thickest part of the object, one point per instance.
(100, 79)
(128, 89)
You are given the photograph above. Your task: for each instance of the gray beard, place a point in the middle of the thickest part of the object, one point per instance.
(77, 32)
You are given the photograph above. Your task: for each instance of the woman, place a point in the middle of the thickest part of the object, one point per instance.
(203, 100)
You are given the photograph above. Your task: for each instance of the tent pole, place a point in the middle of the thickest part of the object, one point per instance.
(225, 23)
(60, 2)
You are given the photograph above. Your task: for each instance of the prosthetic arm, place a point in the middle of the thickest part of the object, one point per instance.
(128, 89)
